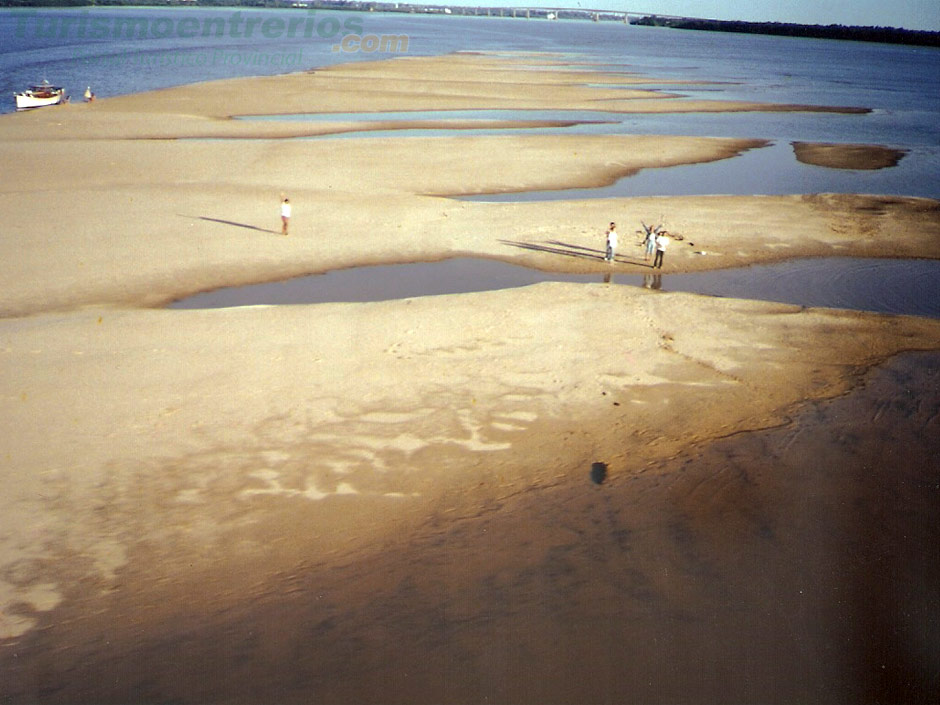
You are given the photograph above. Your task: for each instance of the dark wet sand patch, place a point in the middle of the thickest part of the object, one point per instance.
(847, 156)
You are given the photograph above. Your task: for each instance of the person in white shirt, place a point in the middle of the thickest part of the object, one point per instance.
(285, 215)
(662, 242)
(611, 242)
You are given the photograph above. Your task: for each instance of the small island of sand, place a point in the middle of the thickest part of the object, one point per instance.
(847, 156)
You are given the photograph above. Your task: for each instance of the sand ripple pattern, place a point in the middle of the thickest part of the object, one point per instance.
(200, 499)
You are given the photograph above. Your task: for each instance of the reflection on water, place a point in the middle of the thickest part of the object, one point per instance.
(882, 285)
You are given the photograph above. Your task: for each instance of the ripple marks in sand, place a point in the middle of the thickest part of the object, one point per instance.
(366, 451)
(310, 490)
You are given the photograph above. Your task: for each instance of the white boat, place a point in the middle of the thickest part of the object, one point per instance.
(39, 96)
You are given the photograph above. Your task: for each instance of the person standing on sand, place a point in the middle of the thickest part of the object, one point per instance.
(285, 215)
(611, 242)
(662, 242)
(650, 242)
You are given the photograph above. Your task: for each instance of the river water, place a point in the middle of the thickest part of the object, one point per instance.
(910, 287)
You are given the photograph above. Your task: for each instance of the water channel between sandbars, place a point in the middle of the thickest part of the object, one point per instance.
(910, 287)
(769, 170)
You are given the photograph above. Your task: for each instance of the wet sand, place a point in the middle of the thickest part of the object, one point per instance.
(847, 156)
(391, 502)
(713, 575)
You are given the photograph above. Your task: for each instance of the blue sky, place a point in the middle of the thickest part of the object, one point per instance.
(912, 14)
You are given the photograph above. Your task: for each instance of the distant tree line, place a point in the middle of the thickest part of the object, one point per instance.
(889, 35)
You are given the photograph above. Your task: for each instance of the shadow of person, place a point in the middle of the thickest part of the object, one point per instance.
(222, 221)
(558, 248)
(569, 246)
(574, 250)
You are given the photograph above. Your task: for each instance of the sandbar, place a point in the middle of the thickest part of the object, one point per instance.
(451, 82)
(847, 156)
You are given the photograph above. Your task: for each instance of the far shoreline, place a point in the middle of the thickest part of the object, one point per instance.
(861, 33)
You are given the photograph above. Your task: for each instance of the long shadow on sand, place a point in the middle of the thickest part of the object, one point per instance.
(230, 222)
(567, 249)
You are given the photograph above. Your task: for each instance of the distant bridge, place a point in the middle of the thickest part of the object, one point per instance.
(559, 12)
